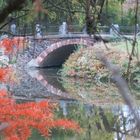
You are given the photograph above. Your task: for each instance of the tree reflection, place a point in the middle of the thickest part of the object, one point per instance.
(89, 91)
(100, 123)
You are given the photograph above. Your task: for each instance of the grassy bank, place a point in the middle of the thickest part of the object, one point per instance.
(84, 63)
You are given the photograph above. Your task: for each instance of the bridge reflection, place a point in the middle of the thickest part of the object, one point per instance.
(78, 89)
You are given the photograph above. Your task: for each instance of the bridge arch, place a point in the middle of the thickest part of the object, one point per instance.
(58, 52)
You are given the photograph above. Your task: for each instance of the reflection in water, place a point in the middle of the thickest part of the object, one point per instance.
(63, 105)
(98, 123)
(87, 91)
(98, 107)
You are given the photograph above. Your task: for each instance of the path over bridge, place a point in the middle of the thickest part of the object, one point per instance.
(59, 49)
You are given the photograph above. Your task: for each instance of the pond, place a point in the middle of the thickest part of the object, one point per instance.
(97, 107)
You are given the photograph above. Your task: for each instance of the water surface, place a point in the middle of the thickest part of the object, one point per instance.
(97, 107)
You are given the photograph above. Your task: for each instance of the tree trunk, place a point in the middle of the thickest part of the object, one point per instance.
(93, 14)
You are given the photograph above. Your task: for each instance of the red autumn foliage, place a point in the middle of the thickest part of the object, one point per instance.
(3, 93)
(7, 45)
(18, 120)
(19, 42)
(23, 117)
(11, 45)
(5, 74)
(66, 124)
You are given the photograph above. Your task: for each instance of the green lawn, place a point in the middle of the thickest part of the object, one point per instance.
(123, 45)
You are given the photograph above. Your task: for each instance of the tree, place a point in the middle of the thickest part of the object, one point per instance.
(18, 120)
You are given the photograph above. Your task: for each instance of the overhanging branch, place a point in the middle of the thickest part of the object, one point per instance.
(64, 9)
(13, 5)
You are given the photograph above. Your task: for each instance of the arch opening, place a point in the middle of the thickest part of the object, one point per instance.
(58, 56)
(57, 53)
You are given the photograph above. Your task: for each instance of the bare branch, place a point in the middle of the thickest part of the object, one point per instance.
(12, 20)
(121, 84)
(13, 5)
(135, 38)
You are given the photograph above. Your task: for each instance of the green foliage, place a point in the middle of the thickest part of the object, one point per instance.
(36, 135)
(135, 79)
(74, 12)
(52, 15)
(91, 120)
(2, 3)
(128, 18)
(111, 13)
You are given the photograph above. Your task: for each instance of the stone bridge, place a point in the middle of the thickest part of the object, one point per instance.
(58, 50)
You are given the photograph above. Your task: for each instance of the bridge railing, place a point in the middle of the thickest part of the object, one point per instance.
(127, 30)
(73, 29)
(47, 30)
(55, 29)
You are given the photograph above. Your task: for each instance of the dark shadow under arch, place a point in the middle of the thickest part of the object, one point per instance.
(58, 56)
